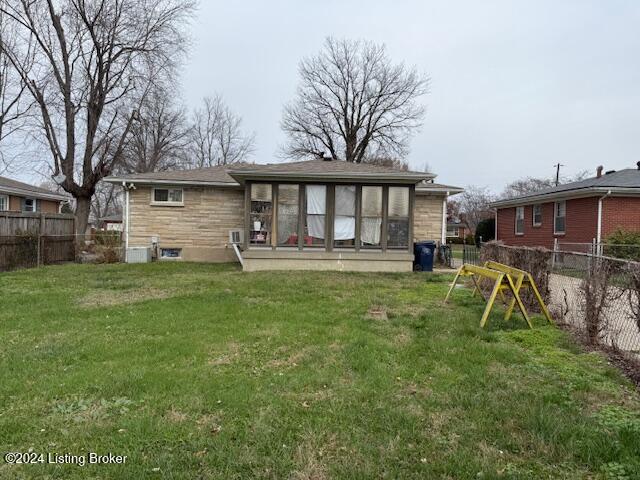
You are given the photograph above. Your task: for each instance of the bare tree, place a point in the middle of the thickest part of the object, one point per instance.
(473, 203)
(216, 136)
(528, 185)
(158, 139)
(14, 106)
(90, 73)
(352, 103)
(106, 201)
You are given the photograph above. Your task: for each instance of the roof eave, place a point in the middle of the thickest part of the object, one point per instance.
(152, 181)
(31, 194)
(576, 193)
(446, 190)
(242, 176)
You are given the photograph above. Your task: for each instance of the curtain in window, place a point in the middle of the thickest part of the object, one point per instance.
(345, 219)
(316, 208)
(371, 224)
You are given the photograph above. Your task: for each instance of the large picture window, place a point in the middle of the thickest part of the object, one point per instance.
(288, 214)
(344, 224)
(398, 214)
(371, 221)
(261, 214)
(559, 217)
(316, 210)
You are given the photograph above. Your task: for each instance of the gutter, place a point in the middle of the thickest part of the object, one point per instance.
(599, 231)
(150, 181)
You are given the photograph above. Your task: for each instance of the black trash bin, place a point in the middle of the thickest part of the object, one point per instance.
(423, 253)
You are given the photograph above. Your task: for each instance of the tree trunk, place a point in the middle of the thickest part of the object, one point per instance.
(83, 207)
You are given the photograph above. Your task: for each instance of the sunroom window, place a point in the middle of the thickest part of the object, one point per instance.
(344, 225)
(371, 222)
(261, 214)
(288, 214)
(316, 210)
(398, 223)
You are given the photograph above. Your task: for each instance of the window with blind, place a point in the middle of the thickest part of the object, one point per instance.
(261, 214)
(398, 218)
(371, 217)
(559, 217)
(344, 223)
(519, 220)
(4, 202)
(288, 214)
(315, 212)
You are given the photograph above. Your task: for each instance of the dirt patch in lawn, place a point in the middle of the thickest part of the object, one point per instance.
(291, 360)
(110, 298)
(228, 357)
(377, 312)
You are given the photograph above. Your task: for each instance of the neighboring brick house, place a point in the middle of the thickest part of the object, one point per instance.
(577, 212)
(457, 230)
(21, 197)
(354, 216)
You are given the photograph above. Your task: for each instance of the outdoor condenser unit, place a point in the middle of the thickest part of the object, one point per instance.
(138, 255)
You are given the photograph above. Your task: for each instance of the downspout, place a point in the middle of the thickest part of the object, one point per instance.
(495, 226)
(443, 233)
(599, 231)
(126, 215)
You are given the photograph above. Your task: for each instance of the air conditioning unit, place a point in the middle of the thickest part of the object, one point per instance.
(235, 237)
(138, 255)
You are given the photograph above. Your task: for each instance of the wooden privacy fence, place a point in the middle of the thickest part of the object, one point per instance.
(16, 223)
(33, 239)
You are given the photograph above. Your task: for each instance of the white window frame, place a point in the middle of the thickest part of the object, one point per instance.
(162, 257)
(533, 215)
(556, 216)
(167, 203)
(453, 232)
(34, 207)
(6, 204)
(517, 217)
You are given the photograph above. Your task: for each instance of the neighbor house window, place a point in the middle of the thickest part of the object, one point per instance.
(344, 224)
(398, 217)
(29, 205)
(167, 196)
(288, 214)
(453, 232)
(559, 217)
(537, 215)
(4, 202)
(261, 214)
(316, 210)
(371, 217)
(519, 220)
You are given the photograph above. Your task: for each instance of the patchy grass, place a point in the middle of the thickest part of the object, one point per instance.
(202, 371)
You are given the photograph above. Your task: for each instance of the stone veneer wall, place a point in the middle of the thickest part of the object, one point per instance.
(427, 220)
(200, 227)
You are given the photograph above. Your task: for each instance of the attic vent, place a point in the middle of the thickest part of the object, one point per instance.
(609, 171)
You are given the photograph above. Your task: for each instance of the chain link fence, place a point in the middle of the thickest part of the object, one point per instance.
(597, 297)
(31, 249)
(613, 250)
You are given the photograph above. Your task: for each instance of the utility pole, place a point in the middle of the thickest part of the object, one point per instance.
(558, 165)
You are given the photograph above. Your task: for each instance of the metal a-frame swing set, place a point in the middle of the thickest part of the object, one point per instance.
(505, 278)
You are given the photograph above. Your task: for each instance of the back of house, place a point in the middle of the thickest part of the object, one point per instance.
(317, 214)
(582, 212)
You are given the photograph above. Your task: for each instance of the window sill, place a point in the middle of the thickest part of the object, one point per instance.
(167, 204)
(559, 234)
(519, 234)
(536, 225)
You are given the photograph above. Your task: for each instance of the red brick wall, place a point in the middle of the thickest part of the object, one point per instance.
(581, 224)
(45, 206)
(620, 212)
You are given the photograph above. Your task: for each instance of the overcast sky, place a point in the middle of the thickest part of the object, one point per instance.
(515, 86)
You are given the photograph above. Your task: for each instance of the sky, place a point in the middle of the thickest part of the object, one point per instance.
(516, 86)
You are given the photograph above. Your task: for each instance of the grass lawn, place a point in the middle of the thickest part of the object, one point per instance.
(202, 371)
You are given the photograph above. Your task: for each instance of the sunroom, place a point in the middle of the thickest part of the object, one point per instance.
(358, 218)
